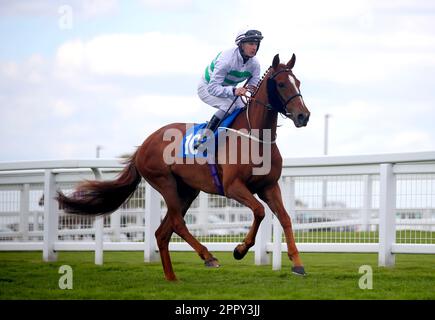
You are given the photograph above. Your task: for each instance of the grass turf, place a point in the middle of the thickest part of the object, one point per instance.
(23, 275)
(402, 236)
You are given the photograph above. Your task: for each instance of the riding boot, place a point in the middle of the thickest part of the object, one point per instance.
(212, 126)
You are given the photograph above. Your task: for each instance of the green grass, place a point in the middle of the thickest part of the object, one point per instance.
(403, 236)
(23, 275)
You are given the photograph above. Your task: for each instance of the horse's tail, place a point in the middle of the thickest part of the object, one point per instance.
(100, 197)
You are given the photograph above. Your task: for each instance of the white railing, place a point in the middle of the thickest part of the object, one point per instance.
(379, 203)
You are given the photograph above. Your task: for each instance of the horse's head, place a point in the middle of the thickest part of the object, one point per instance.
(284, 94)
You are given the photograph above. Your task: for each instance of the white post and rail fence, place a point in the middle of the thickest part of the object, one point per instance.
(382, 204)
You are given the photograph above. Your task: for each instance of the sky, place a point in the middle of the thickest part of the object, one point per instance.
(78, 74)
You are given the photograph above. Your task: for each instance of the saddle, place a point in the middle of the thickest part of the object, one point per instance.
(188, 151)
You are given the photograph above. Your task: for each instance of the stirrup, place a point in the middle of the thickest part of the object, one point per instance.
(199, 142)
(212, 126)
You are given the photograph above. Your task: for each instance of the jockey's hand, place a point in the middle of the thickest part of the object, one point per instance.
(240, 91)
(252, 88)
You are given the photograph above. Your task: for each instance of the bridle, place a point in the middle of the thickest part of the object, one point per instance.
(275, 99)
(283, 108)
(274, 104)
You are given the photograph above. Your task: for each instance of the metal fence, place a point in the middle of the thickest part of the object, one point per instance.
(379, 203)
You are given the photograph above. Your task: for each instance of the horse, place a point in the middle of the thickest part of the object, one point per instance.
(278, 92)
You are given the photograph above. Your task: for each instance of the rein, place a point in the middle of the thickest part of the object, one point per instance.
(249, 136)
(275, 104)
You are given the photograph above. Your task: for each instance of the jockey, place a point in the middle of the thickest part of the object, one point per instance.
(218, 85)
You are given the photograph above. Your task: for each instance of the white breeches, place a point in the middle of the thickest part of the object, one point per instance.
(217, 102)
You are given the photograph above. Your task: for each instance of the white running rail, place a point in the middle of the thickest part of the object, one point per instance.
(383, 204)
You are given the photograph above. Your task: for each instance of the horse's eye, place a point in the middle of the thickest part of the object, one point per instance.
(281, 85)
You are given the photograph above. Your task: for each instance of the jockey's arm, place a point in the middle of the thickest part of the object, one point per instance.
(255, 79)
(215, 87)
(221, 69)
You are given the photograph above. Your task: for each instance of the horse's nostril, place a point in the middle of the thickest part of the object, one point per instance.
(307, 119)
(301, 118)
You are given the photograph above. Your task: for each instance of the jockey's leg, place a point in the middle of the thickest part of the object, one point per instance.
(211, 126)
(222, 104)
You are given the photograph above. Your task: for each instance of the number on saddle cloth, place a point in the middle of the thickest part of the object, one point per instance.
(188, 151)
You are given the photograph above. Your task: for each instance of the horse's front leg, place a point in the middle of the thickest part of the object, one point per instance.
(272, 196)
(237, 190)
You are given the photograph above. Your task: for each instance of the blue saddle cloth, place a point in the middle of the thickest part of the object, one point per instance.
(195, 132)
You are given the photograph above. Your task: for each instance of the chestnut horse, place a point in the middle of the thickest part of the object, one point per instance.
(180, 183)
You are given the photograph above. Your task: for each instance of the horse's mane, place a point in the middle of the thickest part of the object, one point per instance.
(261, 80)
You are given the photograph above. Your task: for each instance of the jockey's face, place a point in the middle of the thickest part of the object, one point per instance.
(250, 48)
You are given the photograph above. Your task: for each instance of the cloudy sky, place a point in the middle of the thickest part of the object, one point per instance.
(75, 74)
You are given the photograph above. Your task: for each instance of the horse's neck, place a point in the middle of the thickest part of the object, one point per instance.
(256, 115)
(259, 116)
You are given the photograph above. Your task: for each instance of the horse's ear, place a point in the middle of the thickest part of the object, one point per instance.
(292, 62)
(275, 61)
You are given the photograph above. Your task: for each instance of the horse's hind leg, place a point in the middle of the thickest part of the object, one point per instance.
(163, 236)
(178, 197)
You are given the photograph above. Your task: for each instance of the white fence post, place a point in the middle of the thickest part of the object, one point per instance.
(202, 217)
(264, 236)
(367, 203)
(387, 215)
(99, 232)
(289, 199)
(324, 192)
(276, 253)
(24, 212)
(115, 226)
(99, 229)
(51, 217)
(152, 221)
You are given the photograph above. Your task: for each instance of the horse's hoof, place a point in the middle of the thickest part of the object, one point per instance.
(212, 263)
(299, 271)
(237, 255)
